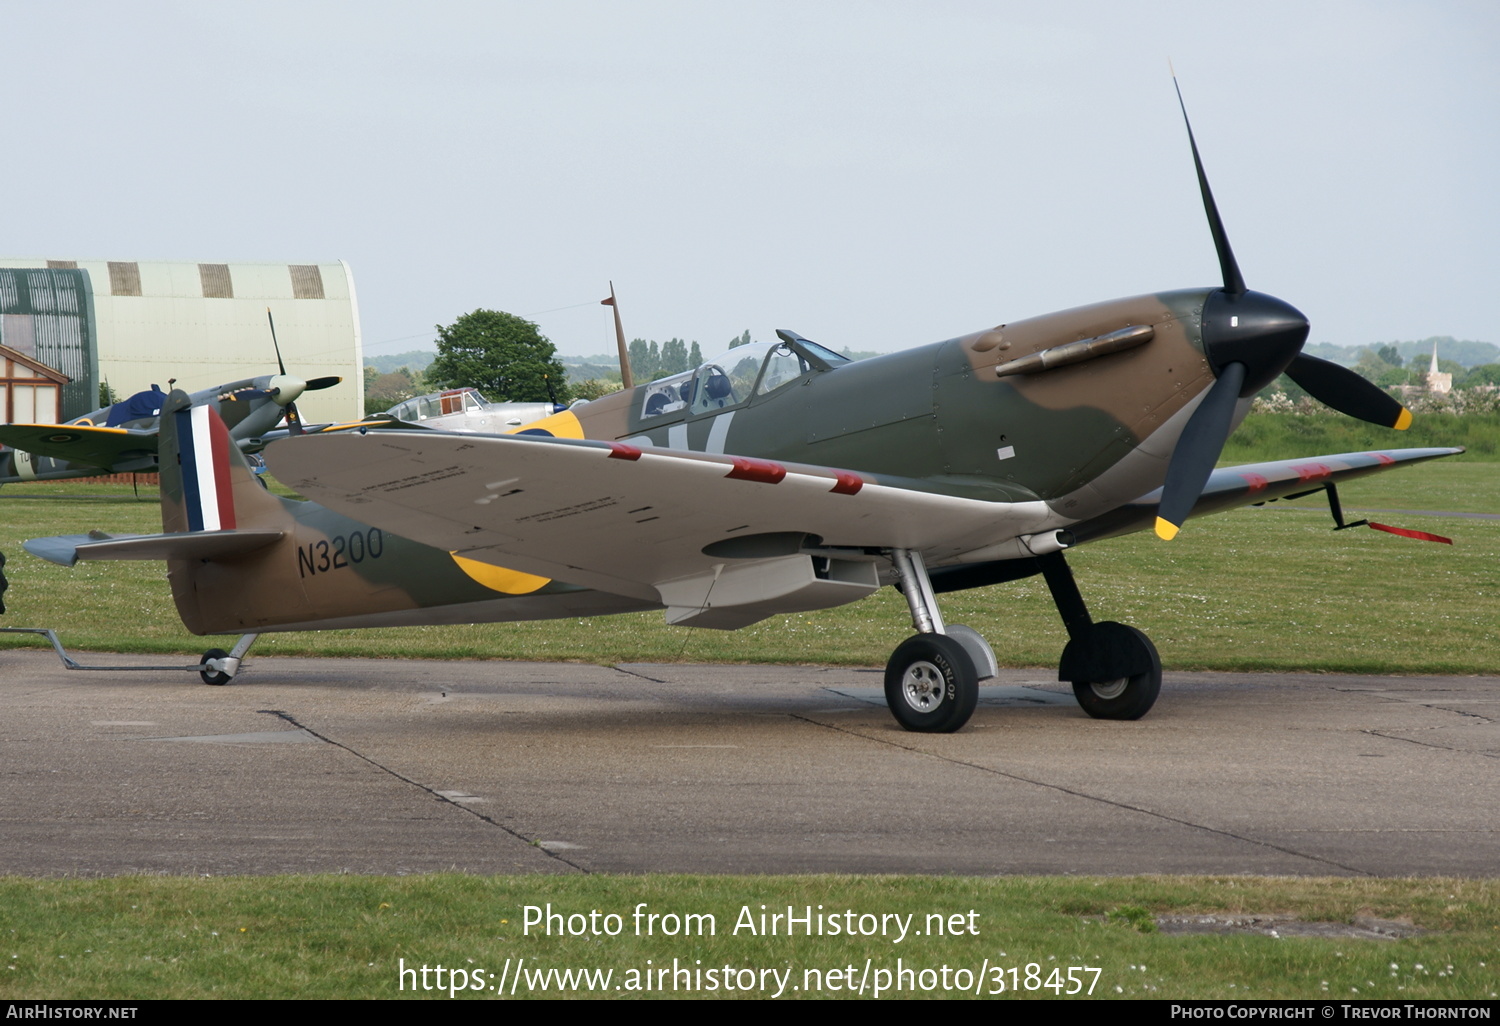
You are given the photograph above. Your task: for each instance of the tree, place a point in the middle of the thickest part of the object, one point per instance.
(643, 359)
(502, 355)
(595, 388)
(1484, 374)
(674, 357)
(382, 391)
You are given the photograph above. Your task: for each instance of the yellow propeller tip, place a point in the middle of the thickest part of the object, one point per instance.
(1404, 421)
(1166, 530)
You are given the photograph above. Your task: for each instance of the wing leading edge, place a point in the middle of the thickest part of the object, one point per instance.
(1251, 483)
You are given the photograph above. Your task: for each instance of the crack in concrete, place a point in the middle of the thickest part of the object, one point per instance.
(1086, 797)
(1385, 696)
(856, 698)
(440, 796)
(640, 676)
(1428, 744)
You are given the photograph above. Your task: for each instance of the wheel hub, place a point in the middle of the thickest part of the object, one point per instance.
(923, 686)
(1111, 688)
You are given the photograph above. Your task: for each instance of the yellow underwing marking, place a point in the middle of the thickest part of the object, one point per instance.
(1404, 421)
(356, 425)
(82, 429)
(497, 578)
(1165, 530)
(560, 425)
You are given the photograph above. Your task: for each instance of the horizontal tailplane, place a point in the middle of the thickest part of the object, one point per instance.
(68, 549)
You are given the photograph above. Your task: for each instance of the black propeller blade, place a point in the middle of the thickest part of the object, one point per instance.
(281, 364)
(1347, 392)
(1198, 450)
(1234, 283)
(293, 418)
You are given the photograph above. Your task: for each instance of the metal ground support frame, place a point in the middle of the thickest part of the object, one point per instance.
(68, 661)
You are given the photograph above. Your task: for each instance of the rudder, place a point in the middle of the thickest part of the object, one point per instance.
(206, 485)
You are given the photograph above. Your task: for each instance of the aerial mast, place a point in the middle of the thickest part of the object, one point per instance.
(625, 377)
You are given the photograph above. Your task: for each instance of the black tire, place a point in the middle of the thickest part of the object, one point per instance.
(1124, 698)
(214, 677)
(931, 684)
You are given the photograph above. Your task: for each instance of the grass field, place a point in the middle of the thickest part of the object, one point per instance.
(348, 937)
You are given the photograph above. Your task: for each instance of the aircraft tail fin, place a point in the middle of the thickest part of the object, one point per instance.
(206, 485)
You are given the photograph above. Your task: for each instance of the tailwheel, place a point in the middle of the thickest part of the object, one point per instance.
(931, 684)
(218, 667)
(1116, 673)
(212, 676)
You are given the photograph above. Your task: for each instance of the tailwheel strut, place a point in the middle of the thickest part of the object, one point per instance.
(932, 679)
(219, 667)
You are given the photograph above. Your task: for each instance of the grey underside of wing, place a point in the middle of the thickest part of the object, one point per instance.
(616, 518)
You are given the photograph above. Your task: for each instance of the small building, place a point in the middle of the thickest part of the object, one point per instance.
(30, 391)
(47, 317)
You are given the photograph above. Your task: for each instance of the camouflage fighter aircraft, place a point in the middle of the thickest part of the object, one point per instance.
(122, 438)
(777, 477)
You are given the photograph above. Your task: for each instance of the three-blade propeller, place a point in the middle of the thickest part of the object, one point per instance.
(1250, 338)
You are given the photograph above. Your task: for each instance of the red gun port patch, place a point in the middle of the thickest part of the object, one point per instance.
(1312, 471)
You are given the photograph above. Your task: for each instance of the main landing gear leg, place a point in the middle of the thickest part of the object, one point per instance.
(932, 679)
(219, 667)
(1114, 669)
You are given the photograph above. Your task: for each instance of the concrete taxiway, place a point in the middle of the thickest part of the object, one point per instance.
(384, 766)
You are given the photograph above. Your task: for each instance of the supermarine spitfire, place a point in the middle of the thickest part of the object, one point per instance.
(122, 438)
(778, 477)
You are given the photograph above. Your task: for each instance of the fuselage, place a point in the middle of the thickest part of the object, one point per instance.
(940, 415)
(1085, 424)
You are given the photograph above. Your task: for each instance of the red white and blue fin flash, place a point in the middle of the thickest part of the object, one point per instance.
(207, 492)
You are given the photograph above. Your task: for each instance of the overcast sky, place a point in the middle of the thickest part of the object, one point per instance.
(870, 174)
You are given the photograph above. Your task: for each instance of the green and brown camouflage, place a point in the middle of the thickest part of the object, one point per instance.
(939, 414)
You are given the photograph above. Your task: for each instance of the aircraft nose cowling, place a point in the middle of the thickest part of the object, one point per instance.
(287, 388)
(1260, 331)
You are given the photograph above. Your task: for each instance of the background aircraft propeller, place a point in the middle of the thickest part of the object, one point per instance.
(1250, 338)
(285, 389)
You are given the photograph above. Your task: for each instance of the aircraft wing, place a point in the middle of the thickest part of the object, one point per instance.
(637, 521)
(1252, 483)
(372, 422)
(101, 447)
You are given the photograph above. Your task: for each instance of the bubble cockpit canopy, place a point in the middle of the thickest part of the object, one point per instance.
(734, 376)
